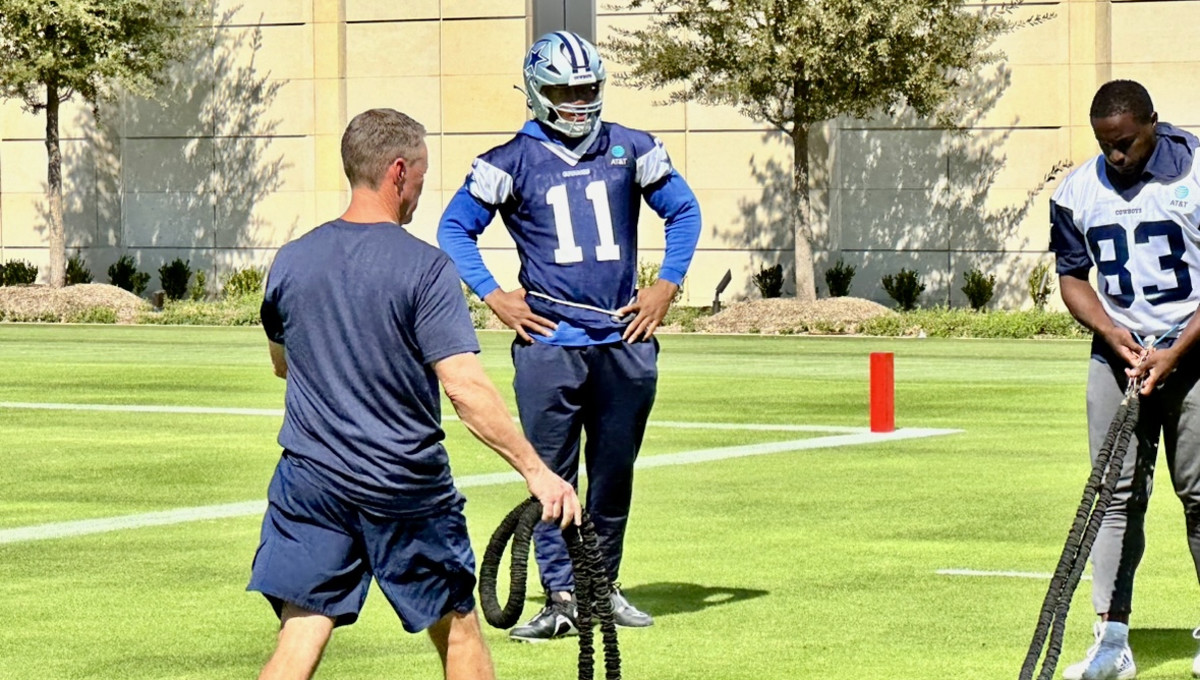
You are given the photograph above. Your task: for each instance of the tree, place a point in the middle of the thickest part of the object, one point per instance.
(52, 50)
(797, 63)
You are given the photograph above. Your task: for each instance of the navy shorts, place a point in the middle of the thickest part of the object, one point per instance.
(319, 553)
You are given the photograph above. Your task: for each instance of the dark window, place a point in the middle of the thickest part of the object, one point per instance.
(577, 16)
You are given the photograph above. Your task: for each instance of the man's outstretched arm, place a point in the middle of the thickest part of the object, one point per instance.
(483, 411)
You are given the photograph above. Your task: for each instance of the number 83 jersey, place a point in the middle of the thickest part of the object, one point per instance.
(1143, 241)
(573, 217)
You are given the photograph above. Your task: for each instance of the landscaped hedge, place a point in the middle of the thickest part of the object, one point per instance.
(934, 323)
(235, 311)
(938, 322)
(966, 323)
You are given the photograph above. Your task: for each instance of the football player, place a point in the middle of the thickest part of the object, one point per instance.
(1133, 213)
(569, 189)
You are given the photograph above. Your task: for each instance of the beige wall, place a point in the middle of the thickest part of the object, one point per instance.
(227, 168)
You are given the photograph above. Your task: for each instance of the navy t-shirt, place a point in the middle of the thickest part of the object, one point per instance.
(364, 311)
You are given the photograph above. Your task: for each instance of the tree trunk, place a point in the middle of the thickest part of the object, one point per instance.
(56, 240)
(806, 290)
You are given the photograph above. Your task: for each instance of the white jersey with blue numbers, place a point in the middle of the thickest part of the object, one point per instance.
(1145, 245)
(574, 218)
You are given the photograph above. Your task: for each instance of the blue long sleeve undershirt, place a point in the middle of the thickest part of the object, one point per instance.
(463, 221)
(671, 198)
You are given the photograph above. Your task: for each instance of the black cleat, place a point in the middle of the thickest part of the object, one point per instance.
(557, 619)
(625, 614)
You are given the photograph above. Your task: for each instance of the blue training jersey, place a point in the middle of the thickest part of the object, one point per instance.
(573, 215)
(1143, 239)
(363, 312)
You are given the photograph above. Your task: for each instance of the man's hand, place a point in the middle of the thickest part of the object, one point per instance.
(651, 306)
(558, 498)
(1121, 341)
(1156, 368)
(512, 310)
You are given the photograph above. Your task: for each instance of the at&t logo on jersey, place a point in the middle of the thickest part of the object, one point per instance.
(1181, 192)
(618, 156)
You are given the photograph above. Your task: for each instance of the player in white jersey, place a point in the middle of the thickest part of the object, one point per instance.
(1133, 213)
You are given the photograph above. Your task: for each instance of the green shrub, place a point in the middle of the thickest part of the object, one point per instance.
(36, 316)
(685, 317)
(244, 282)
(77, 271)
(978, 288)
(175, 276)
(941, 322)
(1041, 285)
(647, 275)
(838, 278)
(92, 315)
(124, 274)
(18, 273)
(904, 288)
(769, 281)
(237, 311)
(826, 327)
(199, 289)
(481, 314)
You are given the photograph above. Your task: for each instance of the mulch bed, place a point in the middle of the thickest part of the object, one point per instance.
(771, 316)
(785, 315)
(43, 302)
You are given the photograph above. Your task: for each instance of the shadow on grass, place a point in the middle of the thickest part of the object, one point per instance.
(1156, 646)
(665, 599)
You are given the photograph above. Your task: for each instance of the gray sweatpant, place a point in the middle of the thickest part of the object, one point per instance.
(1174, 411)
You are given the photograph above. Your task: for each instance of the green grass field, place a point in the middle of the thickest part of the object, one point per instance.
(810, 563)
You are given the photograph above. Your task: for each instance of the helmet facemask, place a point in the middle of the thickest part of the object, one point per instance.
(574, 109)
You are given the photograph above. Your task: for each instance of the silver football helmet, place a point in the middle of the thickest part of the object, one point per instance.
(564, 82)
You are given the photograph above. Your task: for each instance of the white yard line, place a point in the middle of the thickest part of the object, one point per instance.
(278, 413)
(141, 408)
(999, 574)
(180, 515)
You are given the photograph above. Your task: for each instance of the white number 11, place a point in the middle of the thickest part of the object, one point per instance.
(567, 252)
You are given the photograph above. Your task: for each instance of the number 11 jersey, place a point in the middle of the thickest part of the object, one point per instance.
(1144, 240)
(573, 215)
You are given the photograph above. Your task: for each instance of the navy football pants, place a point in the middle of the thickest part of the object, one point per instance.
(604, 392)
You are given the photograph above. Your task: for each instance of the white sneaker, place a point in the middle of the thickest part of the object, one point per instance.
(1111, 661)
(1196, 661)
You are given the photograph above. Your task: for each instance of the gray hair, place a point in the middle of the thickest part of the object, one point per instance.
(373, 140)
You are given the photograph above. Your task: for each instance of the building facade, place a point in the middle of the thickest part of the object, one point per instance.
(241, 151)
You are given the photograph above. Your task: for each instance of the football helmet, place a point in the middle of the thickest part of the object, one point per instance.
(564, 82)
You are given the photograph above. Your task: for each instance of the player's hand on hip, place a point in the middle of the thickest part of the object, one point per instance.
(559, 501)
(650, 307)
(513, 312)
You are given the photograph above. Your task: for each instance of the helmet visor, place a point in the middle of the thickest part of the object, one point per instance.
(577, 95)
(574, 103)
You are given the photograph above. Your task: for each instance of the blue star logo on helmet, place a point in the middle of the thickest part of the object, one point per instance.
(1181, 192)
(618, 151)
(536, 56)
